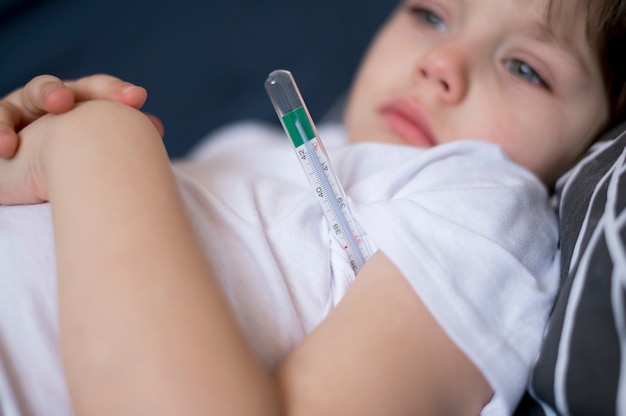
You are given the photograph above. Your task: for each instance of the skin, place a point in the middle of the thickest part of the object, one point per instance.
(468, 75)
(170, 344)
(48, 94)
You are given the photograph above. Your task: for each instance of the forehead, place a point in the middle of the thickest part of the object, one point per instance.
(565, 19)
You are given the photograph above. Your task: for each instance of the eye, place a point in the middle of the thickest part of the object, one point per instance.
(523, 70)
(426, 17)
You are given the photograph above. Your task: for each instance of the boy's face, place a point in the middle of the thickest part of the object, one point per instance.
(445, 70)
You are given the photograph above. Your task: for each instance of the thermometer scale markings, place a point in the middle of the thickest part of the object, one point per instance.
(313, 158)
(333, 205)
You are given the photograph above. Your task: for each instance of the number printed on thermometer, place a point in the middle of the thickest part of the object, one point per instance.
(298, 125)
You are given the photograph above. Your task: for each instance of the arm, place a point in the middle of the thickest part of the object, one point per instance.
(140, 316)
(380, 352)
(143, 318)
(48, 94)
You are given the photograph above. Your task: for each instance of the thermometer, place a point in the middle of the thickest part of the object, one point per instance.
(299, 126)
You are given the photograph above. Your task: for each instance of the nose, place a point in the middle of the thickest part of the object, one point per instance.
(446, 68)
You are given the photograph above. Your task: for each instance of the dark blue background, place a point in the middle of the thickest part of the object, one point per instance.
(203, 62)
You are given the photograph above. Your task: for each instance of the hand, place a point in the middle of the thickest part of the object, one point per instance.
(48, 94)
(94, 136)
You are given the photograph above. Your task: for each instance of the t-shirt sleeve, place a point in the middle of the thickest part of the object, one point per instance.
(476, 238)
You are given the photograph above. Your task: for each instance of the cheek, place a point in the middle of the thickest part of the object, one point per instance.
(502, 128)
(535, 141)
(522, 136)
(366, 93)
(355, 112)
(385, 59)
(380, 74)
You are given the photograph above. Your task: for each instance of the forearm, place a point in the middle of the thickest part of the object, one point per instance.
(134, 287)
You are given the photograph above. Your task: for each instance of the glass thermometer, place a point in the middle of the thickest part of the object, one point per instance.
(299, 126)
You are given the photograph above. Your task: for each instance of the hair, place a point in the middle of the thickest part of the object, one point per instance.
(605, 30)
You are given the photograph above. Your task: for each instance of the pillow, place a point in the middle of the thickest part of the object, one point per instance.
(578, 370)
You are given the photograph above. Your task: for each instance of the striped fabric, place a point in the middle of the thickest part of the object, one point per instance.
(579, 371)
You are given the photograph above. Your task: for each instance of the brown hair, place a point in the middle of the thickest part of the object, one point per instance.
(605, 26)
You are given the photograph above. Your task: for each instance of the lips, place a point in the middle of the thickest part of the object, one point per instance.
(408, 120)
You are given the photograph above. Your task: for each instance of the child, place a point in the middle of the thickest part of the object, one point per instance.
(447, 315)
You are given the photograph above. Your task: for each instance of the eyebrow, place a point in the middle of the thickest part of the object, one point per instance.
(540, 31)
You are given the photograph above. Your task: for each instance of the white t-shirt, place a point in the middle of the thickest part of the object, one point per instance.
(471, 232)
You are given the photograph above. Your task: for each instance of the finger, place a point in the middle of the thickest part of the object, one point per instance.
(46, 94)
(9, 116)
(107, 87)
(42, 94)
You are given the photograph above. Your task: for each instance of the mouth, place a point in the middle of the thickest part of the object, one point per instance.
(406, 119)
